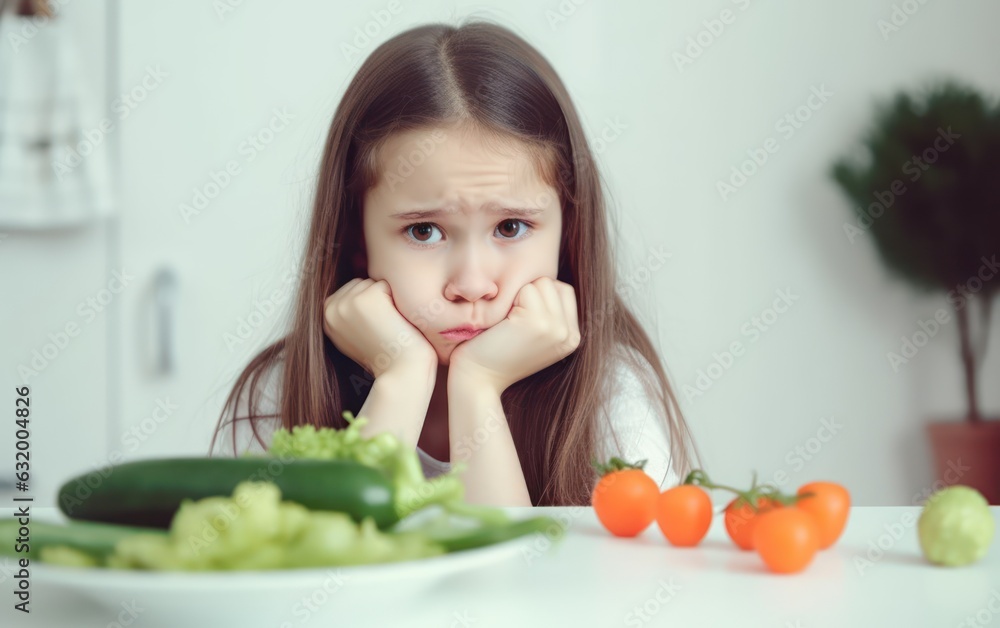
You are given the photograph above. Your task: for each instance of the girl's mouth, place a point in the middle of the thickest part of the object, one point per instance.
(461, 335)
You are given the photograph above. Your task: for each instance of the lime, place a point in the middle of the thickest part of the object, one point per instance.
(955, 526)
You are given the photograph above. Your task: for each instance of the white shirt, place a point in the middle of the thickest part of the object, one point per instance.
(638, 423)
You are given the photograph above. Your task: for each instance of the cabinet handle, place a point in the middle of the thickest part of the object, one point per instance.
(164, 302)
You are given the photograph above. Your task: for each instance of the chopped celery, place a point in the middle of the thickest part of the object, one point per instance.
(67, 556)
(254, 529)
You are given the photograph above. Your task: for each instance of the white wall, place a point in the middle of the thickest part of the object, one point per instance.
(824, 359)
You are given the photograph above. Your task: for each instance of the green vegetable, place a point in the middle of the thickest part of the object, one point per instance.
(67, 556)
(955, 526)
(150, 492)
(414, 492)
(348, 502)
(385, 452)
(255, 529)
(250, 530)
(460, 540)
(95, 540)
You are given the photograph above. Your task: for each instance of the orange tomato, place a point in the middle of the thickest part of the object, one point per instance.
(830, 505)
(684, 514)
(740, 519)
(786, 539)
(625, 501)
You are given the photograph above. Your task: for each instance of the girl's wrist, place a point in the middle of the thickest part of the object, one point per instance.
(468, 378)
(412, 377)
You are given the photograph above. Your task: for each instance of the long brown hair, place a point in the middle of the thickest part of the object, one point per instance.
(480, 74)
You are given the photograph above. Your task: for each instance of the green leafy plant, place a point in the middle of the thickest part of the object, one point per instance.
(925, 187)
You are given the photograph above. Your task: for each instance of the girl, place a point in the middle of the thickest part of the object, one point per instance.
(459, 287)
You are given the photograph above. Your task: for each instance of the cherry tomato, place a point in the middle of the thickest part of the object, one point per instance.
(625, 501)
(684, 514)
(786, 538)
(830, 505)
(740, 519)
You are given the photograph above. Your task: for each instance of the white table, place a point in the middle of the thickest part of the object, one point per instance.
(875, 575)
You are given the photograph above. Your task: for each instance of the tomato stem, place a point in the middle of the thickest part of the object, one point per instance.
(615, 464)
(700, 478)
(750, 497)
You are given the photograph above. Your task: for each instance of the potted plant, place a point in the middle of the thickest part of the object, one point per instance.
(925, 187)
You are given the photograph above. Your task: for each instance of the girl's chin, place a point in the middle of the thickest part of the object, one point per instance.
(444, 355)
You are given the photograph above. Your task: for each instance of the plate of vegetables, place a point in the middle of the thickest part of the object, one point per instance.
(327, 524)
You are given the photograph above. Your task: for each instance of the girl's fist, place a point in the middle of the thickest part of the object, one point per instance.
(362, 321)
(540, 329)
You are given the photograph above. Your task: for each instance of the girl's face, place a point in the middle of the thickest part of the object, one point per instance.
(463, 262)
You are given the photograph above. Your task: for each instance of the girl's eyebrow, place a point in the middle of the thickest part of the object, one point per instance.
(421, 214)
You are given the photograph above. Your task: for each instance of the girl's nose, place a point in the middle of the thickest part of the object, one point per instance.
(472, 277)
(471, 290)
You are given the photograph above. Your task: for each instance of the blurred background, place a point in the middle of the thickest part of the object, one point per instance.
(158, 160)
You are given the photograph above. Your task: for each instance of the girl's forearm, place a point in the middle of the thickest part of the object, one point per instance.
(480, 438)
(397, 403)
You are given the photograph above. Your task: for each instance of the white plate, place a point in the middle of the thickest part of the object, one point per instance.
(276, 598)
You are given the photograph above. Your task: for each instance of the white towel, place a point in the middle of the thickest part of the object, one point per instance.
(48, 113)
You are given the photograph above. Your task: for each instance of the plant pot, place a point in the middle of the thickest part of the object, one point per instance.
(968, 453)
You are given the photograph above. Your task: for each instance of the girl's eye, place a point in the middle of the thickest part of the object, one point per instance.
(421, 230)
(417, 231)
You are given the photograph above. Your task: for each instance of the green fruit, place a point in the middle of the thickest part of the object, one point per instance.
(955, 526)
(150, 492)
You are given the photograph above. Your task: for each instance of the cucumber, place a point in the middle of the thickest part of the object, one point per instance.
(492, 534)
(96, 539)
(147, 493)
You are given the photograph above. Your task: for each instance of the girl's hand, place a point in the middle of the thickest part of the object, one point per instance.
(540, 330)
(362, 321)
